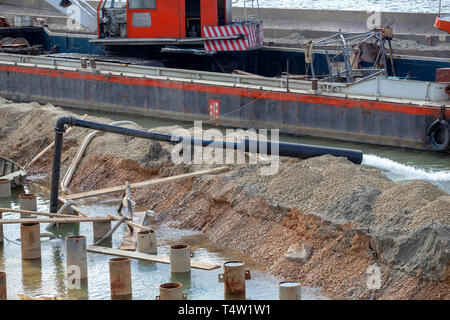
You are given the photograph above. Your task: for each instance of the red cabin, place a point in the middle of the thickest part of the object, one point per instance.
(159, 22)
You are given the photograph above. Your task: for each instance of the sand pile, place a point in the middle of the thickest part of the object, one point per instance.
(399, 203)
(353, 216)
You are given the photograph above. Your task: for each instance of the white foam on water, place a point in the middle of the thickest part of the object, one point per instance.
(408, 172)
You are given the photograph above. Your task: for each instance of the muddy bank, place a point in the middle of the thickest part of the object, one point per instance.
(350, 216)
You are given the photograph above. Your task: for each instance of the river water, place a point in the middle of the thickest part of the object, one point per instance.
(420, 6)
(47, 276)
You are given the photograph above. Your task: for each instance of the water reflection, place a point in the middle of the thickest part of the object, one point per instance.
(59, 271)
(81, 293)
(124, 297)
(147, 265)
(32, 274)
(234, 296)
(62, 230)
(183, 278)
(2, 257)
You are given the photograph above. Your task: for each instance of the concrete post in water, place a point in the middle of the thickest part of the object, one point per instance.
(180, 258)
(3, 295)
(28, 202)
(289, 291)
(171, 291)
(100, 228)
(76, 255)
(147, 242)
(5, 188)
(120, 276)
(234, 277)
(30, 238)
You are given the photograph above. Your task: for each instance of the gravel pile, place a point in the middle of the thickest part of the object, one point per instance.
(405, 199)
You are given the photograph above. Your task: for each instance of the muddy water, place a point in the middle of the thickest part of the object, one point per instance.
(47, 276)
(398, 164)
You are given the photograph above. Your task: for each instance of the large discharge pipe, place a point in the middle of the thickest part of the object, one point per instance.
(284, 149)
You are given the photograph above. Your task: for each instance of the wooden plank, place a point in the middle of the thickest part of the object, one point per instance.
(147, 183)
(129, 241)
(147, 257)
(52, 220)
(36, 213)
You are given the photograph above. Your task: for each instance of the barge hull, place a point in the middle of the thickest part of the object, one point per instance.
(374, 122)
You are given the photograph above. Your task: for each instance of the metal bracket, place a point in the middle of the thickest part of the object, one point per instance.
(192, 254)
(221, 277)
(247, 275)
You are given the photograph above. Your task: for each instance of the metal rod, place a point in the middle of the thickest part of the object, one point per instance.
(56, 169)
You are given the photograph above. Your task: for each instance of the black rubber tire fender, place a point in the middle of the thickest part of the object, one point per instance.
(431, 134)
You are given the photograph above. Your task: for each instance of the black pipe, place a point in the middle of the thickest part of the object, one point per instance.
(303, 151)
(59, 132)
(285, 149)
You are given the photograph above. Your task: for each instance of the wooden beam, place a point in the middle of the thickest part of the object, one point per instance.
(36, 213)
(52, 220)
(147, 183)
(147, 257)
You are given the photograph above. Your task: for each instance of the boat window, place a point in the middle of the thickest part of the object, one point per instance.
(115, 4)
(142, 4)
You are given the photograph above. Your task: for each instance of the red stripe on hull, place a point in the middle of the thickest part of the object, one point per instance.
(249, 93)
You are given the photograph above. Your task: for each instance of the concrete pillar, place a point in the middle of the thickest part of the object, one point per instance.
(30, 238)
(120, 277)
(1, 228)
(171, 291)
(28, 202)
(100, 229)
(76, 255)
(180, 258)
(3, 295)
(5, 188)
(289, 291)
(234, 277)
(147, 242)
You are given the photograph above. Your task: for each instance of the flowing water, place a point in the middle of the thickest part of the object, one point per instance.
(420, 6)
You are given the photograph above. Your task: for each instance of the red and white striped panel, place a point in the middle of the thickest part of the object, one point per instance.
(253, 37)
